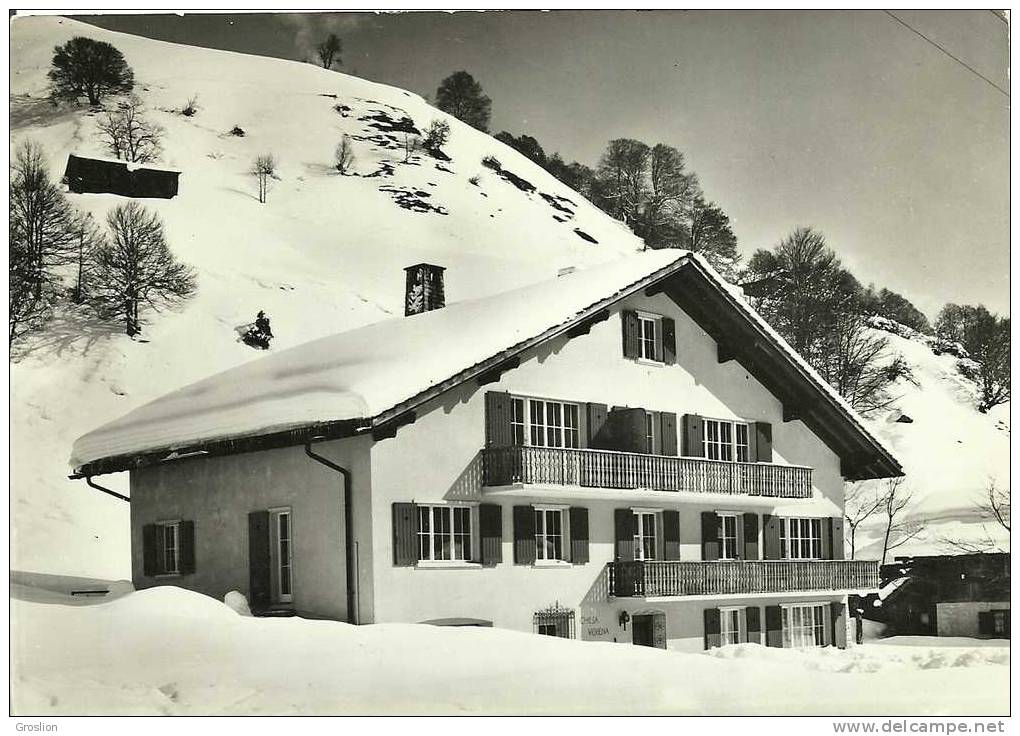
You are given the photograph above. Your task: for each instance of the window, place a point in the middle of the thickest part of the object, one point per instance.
(726, 440)
(732, 625)
(542, 423)
(282, 554)
(801, 538)
(650, 337)
(650, 431)
(168, 546)
(644, 536)
(729, 541)
(805, 625)
(549, 534)
(444, 533)
(555, 621)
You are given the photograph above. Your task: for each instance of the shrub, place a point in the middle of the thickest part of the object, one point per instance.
(238, 131)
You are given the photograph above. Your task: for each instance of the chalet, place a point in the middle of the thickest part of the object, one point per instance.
(945, 595)
(623, 453)
(113, 176)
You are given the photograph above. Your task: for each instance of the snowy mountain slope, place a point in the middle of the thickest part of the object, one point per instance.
(325, 253)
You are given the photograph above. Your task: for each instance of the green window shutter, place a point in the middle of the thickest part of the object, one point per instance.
(752, 619)
(713, 636)
(490, 523)
(598, 427)
(838, 539)
(770, 535)
(838, 624)
(186, 554)
(668, 341)
(762, 442)
(750, 536)
(773, 626)
(625, 525)
(670, 535)
(709, 535)
(667, 431)
(405, 534)
(150, 559)
(694, 436)
(259, 591)
(497, 419)
(631, 333)
(524, 535)
(578, 535)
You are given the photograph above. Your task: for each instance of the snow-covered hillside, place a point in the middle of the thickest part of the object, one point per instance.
(325, 253)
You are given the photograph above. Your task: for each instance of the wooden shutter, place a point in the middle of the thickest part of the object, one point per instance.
(405, 534)
(713, 636)
(826, 528)
(150, 559)
(773, 626)
(497, 419)
(750, 536)
(838, 538)
(631, 331)
(524, 535)
(668, 341)
(578, 535)
(762, 442)
(627, 429)
(626, 527)
(670, 535)
(986, 623)
(667, 433)
(694, 436)
(259, 593)
(490, 529)
(709, 535)
(186, 553)
(752, 620)
(773, 544)
(838, 624)
(598, 427)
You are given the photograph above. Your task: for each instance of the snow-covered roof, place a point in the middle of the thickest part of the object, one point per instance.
(131, 165)
(376, 372)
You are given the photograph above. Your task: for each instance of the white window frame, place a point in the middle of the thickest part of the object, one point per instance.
(462, 511)
(649, 321)
(729, 449)
(282, 558)
(728, 634)
(652, 433)
(793, 539)
(814, 618)
(641, 533)
(566, 433)
(737, 537)
(169, 565)
(542, 535)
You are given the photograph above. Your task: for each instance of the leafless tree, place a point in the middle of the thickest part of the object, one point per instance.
(343, 156)
(88, 240)
(412, 144)
(993, 508)
(263, 169)
(895, 506)
(135, 267)
(329, 51)
(129, 135)
(860, 504)
(436, 136)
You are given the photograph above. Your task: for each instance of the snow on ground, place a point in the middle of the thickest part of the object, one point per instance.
(169, 651)
(325, 254)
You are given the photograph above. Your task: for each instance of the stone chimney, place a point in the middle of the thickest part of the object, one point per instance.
(424, 291)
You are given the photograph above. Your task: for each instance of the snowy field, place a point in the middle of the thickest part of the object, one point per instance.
(170, 651)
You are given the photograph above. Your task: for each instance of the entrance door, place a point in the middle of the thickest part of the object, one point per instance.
(643, 631)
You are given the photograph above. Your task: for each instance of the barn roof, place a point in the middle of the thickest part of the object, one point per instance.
(374, 377)
(131, 165)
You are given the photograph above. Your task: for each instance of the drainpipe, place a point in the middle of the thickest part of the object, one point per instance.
(351, 562)
(88, 480)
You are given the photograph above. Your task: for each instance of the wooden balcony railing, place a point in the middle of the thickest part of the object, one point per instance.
(612, 469)
(660, 578)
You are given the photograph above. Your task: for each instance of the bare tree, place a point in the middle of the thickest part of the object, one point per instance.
(135, 267)
(329, 51)
(993, 508)
(412, 144)
(129, 135)
(860, 504)
(263, 169)
(436, 136)
(899, 529)
(343, 155)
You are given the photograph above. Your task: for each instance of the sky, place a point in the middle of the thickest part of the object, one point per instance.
(845, 121)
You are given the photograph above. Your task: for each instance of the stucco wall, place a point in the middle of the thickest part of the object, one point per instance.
(961, 618)
(437, 459)
(217, 493)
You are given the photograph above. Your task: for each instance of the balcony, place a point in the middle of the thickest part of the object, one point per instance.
(660, 578)
(503, 466)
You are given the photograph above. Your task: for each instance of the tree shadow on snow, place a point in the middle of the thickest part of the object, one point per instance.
(29, 112)
(64, 333)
